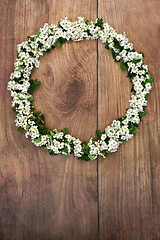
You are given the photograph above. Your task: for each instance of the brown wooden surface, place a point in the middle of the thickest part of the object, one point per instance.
(49, 197)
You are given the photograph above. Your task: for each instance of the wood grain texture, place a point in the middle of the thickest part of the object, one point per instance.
(128, 181)
(45, 197)
(49, 197)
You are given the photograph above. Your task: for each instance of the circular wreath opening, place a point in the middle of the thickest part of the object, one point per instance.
(22, 87)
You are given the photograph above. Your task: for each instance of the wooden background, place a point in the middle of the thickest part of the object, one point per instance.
(49, 197)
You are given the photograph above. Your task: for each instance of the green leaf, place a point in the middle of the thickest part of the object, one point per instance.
(37, 140)
(42, 116)
(46, 149)
(58, 44)
(28, 127)
(142, 54)
(132, 89)
(123, 66)
(131, 75)
(40, 44)
(90, 156)
(51, 133)
(48, 50)
(87, 22)
(32, 106)
(146, 97)
(41, 126)
(99, 22)
(99, 134)
(19, 68)
(50, 139)
(107, 45)
(113, 54)
(30, 99)
(62, 40)
(121, 119)
(41, 121)
(65, 149)
(142, 114)
(135, 130)
(86, 147)
(84, 157)
(88, 31)
(52, 47)
(51, 152)
(65, 131)
(136, 60)
(150, 80)
(33, 117)
(105, 153)
(117, 45)
(38, 33)
(44, 131)
(59, 25)
(33, 85)
(37, 113)
(19, 129)
(14, 109)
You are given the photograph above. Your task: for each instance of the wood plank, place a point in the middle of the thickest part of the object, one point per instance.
(128, 181)
(46, 197)
(20, 163)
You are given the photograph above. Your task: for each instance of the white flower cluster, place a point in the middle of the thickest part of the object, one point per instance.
(20, 85)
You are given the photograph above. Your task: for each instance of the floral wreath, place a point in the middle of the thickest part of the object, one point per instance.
(21, 87)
